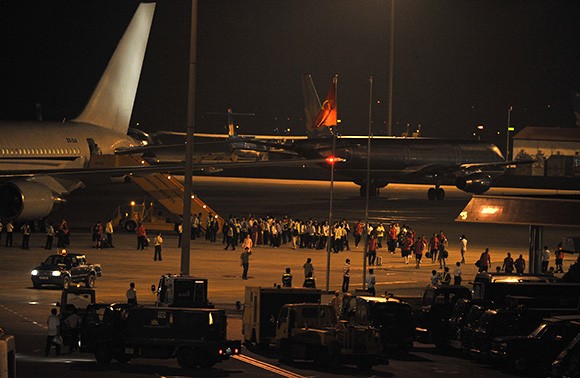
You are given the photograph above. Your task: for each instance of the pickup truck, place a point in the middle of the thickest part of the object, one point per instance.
(64, 269)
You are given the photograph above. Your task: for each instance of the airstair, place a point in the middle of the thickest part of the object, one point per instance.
(163, 187)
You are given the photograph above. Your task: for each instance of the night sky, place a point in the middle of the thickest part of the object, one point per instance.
(458, 63)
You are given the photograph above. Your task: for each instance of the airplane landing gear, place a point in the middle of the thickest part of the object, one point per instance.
(436, 193)
(373, 191)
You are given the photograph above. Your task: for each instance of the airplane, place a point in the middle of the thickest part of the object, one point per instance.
(42, 162)
(468, 164)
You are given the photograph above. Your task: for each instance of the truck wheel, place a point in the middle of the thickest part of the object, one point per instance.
(187, 358)
(66, 282)
(285, 352)
(90, 281)
(364, 364)
(130, 226)
(520, 364)
(121, 356)
(103, 354)
(205, 360)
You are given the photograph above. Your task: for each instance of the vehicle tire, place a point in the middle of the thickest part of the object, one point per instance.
(122, 357)
(365, 364)
(187, 358)
(440, 194)
(130, 226)
(520, 364)
(66, 282)
(431, 194)
(285, 352)
(205, 360)
(103, 353)
(90, 283)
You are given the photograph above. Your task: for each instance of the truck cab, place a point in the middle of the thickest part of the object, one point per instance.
(294, 317)
(175, 290)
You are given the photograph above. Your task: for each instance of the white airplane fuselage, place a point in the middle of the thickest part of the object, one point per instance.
(51, 145)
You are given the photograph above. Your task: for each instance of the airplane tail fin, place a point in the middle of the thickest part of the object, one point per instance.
(112, 101)
(318, 115)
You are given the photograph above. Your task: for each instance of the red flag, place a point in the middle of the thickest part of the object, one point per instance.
(328, 115)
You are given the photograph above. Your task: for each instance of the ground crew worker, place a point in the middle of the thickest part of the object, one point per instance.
(9, 233)
(131, 294)
(109, 232)
(245, 257)
(309, 281)
(25, 235)
(287, 278)
(158, 243)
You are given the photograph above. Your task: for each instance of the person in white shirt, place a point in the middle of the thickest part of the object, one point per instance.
(53, 323)
(371, 281)
(463, 248)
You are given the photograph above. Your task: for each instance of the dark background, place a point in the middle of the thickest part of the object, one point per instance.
(458, 63)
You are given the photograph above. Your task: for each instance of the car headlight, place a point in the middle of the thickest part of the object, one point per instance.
(34, 272)
(56, 273)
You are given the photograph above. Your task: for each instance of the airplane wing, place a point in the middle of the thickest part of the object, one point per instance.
(240, 136)
(158, 168)
(496, 164)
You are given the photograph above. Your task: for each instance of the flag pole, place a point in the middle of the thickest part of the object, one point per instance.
(330, 228)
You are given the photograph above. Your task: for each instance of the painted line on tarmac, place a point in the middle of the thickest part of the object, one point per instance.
(388, 282)
(267, 366)
(24, 317)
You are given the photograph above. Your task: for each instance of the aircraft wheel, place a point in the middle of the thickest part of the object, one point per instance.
(431, 194)
(440, 194)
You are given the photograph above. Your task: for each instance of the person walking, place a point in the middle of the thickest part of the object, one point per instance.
(372, 249)
(545, 259)
(141, 236)
(25, 235)
(346, 276)
(109, 231)
(508, 264)
(371, 281)
(336, 303)
(308, 268)
(9, 234)
(131, 294)
(287, 278)
(457, 274)
(245, 258)
(229, 237)
(419, 248)
(463, 241)
(520, 265)
(49, 231)
(484, 261)
(433, 247)
(53, 323)
(559, 255)
(158, 244)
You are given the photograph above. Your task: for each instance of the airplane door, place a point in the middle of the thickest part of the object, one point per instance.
(93, 147)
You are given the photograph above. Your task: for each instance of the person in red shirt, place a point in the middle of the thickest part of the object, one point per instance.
(372, 249)
(141, 236)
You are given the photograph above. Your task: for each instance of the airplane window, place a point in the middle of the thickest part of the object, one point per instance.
(19, 150)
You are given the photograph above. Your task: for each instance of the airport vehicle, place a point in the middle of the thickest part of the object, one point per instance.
(509, 321)
(437, 305)
(262, 306)
(64, 269)
(537, 350)
(128, 218)
(391, 316)
(567, 364)
(195, 336)
(74, 300)
(462, 322)
(311, 331)
(176, 290)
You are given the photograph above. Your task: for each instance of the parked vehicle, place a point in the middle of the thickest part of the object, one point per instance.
(311, 331)
(64, 269)
(392, 317)
(195, 336)
(262, 306)
(537, 350)
(567, 364)
(176, 290)
(436, 307)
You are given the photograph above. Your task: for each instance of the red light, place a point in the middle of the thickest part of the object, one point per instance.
(331, 159)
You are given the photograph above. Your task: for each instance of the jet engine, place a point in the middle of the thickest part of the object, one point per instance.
(476, 183)
(24, 200)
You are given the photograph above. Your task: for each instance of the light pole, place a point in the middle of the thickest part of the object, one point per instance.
(366, 251)
(507, 134)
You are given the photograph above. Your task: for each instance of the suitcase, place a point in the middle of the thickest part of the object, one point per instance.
(379, 261)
